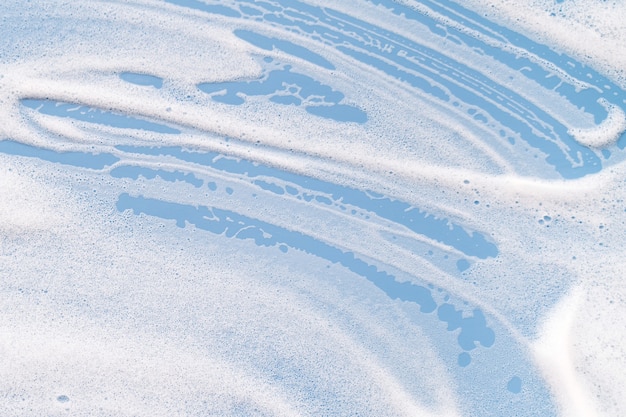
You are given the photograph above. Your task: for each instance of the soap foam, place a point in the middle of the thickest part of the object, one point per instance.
(140, 315)
(577, 27)
(607, 132)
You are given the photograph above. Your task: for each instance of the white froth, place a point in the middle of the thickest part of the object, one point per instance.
(581, 341)
(607, 132)
(98, 373)
(553, 351)
(26, 206)
(135, 316)
(116, 319)
(592, 31)
(580, 346)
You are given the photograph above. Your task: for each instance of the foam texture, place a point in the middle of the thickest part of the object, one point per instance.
(312, 208)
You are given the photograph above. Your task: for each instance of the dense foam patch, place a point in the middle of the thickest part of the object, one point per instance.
(25, 204)
(577, 27)
(606, 133)
(311, 208)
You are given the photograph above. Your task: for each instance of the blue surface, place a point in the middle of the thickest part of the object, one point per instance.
(93, 115)
(283, 86)
(142, 79)
(79, 159)
(440, 229)
(270, 44)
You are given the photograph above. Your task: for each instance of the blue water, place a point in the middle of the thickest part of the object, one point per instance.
(270, 44)
(93, 115)
(142, 79)
(204, 190)
(283, 86)
(493, 102)
(79, 159)
(136, 172)
(419, 221)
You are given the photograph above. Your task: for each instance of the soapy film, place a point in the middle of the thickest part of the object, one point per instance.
(307, 208)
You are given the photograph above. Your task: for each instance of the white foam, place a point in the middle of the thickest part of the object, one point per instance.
(107, 304)
(104, 373)
(580, 345)
(26, 206)
(581, 341)
(553, 351)
(100, 318)
(606, 133)
(577, 27)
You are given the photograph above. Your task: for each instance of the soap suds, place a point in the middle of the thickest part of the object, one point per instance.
(295, 263)
(607, 132)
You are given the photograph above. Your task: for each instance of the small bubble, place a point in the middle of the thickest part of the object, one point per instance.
(462, 265)
(63, 398)
(464, 359)
(514, 385)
